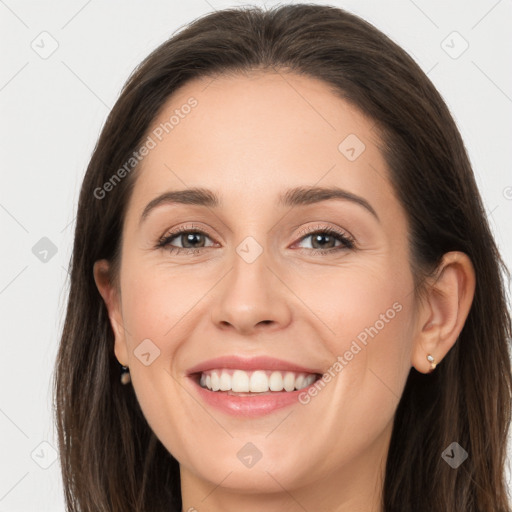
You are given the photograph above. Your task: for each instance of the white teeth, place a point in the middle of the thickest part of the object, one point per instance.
(308, 380)
(289, 381)
(225, 381)
(240, 382)
(259, 381)
(215, 381)
(275, 383)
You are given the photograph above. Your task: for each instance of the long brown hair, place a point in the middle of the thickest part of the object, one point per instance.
(110, 458)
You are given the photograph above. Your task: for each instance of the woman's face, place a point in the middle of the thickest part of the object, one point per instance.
(261, 293)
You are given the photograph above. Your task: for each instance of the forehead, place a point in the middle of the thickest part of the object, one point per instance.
(249, 135)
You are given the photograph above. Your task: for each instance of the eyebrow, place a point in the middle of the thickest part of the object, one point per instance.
(298, 196)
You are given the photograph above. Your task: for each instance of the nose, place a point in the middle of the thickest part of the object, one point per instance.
(252, 297)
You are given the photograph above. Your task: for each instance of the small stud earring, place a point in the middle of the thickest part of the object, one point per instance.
(125, 375)
(432, 361)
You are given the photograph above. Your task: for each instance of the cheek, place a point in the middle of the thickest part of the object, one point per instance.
(358, 303)
(368, 312)
(366, 315)
(155, 308)
(154, 301)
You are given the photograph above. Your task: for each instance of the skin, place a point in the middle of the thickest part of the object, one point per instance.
(250, 138)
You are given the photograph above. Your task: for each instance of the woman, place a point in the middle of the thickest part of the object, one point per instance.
(284, 291)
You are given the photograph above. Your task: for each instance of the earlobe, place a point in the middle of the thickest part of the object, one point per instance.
(444, 310)
(111, 298)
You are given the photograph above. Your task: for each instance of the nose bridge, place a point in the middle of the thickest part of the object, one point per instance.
(251, 293)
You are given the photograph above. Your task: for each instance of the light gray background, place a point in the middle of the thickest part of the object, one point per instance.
(52, 110)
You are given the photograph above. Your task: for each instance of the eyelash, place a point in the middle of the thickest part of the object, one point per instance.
(347, 241)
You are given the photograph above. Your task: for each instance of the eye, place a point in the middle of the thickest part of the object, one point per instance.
(324, 237)
(191, 239)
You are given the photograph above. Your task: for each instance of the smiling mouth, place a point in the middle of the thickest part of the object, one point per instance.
(253, 383)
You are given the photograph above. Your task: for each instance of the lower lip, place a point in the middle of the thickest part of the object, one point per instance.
(249, 406)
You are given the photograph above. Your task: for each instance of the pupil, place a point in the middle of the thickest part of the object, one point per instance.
(319, 237)
(190, 238)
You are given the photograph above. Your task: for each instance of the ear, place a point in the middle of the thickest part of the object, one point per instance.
(444, 310)
(112, 298)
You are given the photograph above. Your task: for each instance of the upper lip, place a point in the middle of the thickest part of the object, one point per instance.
(248, 364)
